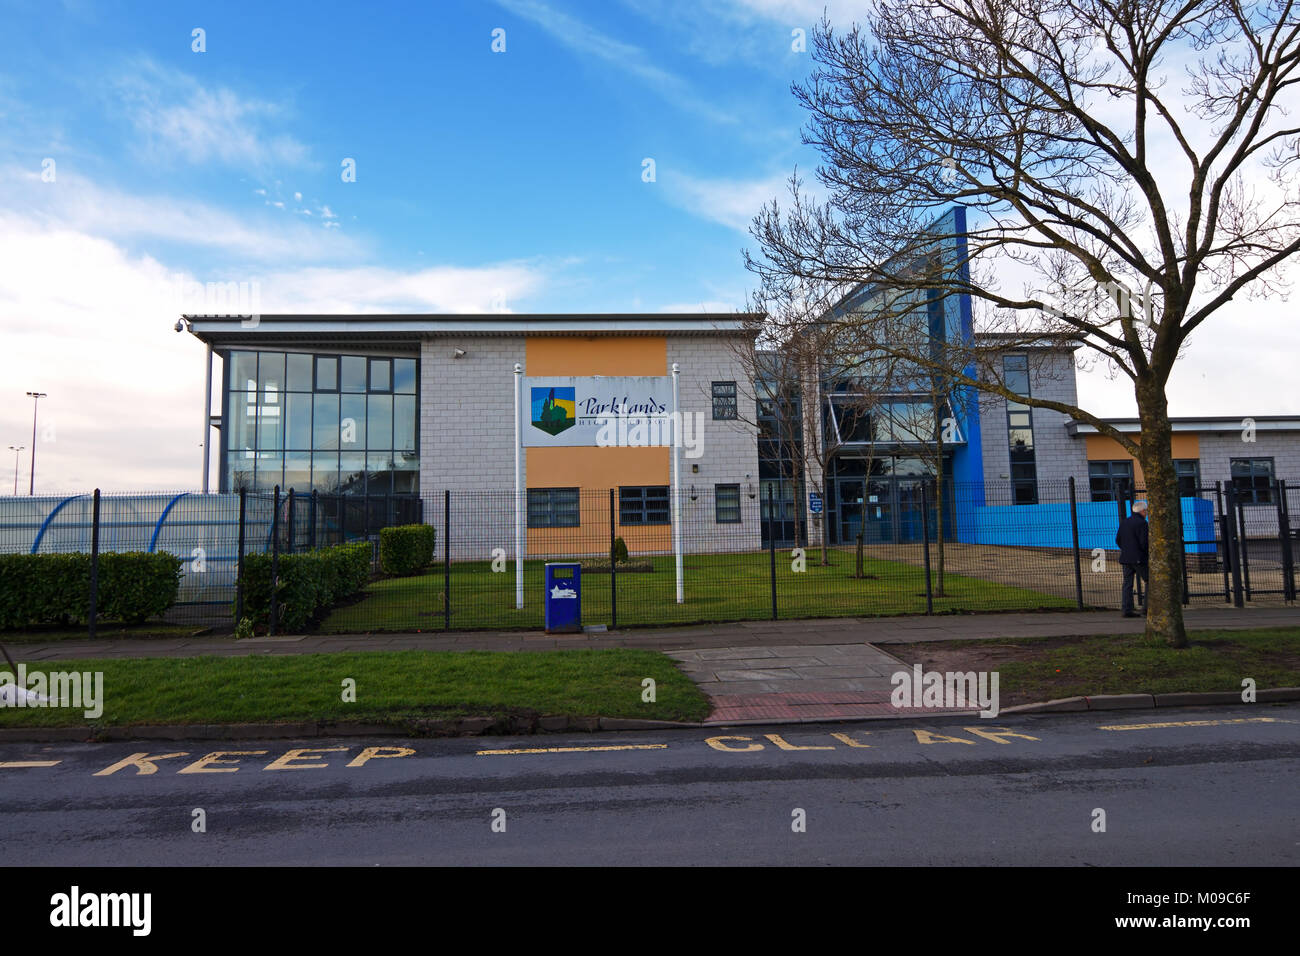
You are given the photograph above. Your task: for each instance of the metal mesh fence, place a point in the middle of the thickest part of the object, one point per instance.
(902, 546)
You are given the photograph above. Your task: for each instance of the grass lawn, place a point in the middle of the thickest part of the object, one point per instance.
(395, 687)
(721, 587)
(1036, 669)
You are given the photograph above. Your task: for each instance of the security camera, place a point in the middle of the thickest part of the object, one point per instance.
(180, 325)
(458, 353)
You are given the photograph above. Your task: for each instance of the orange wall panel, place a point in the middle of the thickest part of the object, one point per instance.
(596, 470)
(1105, 448)
(596, 355)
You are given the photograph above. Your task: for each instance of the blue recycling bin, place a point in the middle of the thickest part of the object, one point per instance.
(563, 597)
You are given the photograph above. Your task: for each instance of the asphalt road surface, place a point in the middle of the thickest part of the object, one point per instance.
(1184, 787)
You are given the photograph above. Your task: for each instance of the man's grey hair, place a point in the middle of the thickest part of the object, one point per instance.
(1139, 506)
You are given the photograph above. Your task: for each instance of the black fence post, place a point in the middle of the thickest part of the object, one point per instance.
(275, 557)
(613, 585)
(1284, 539)
(925, 537)
(1243, 549)
(239, 560)
(1227, 544)
(311, 512)
(93, 610)
(771, 543)
(1182, 551)
(1074, 534)
(1230, 504)
(446, 559)
(289, 517)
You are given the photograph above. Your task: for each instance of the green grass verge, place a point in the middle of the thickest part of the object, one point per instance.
(394, 687)
(1036, 669)
(718, 587)
(107, 632)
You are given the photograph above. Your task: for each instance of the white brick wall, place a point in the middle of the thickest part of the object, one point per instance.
(1057, 456)
(730, 448)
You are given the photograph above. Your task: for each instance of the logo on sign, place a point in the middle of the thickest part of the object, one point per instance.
(554, 409)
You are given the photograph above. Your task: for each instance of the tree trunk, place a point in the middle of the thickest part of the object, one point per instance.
(1165, 590)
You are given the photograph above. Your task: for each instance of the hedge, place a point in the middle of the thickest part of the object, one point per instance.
(55, 588)
(308, 583)
(406, 549)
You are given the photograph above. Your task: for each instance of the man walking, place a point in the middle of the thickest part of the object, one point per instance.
(1131, 539)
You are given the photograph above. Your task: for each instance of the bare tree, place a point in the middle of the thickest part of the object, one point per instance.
(1099, 148)
(798, 358)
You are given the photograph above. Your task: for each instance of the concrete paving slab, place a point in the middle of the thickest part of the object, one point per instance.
(777, 673)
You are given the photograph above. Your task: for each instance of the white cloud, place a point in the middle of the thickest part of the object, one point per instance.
(179, 117)
(77, 204)
(90, 324)
(587, 41)
(729, 202)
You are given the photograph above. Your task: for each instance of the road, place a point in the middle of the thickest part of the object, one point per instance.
(1178, 787)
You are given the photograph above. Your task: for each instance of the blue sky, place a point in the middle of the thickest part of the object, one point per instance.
(485, 181)
(466, 158)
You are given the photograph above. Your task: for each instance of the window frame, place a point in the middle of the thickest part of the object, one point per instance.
(734, 399)
(1254, 490)
(718, 506)
(552, 519)
(638, 505)
(1112, 494)
(315, 373)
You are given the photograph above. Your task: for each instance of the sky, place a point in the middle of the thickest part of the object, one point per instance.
(509, 179)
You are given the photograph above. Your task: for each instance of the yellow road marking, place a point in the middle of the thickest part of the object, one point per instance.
(786, 745)
(215, 762)
(15, 764)
(996, 734)
(845, 738)
(1197, 723)
(572, 750)
(293, 760)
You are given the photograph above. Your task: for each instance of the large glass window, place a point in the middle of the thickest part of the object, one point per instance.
(1252, 478)
(404, 376)
(287, 423)
(352, 374)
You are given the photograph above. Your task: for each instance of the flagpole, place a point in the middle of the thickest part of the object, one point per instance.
(519, 492)
(677, 491)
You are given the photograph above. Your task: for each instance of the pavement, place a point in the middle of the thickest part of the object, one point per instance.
(752, 671)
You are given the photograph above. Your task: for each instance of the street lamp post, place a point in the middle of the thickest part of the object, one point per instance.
(17, 450)
(36, 401)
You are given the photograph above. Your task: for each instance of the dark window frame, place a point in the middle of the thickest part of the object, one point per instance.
(718, 505)
(554, 518)
(634, 505)
(315, 373)
(1024, 490)
(1192, 488)
(371, 362)
(730, 402)
(1111, 491)
(1248, 490)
